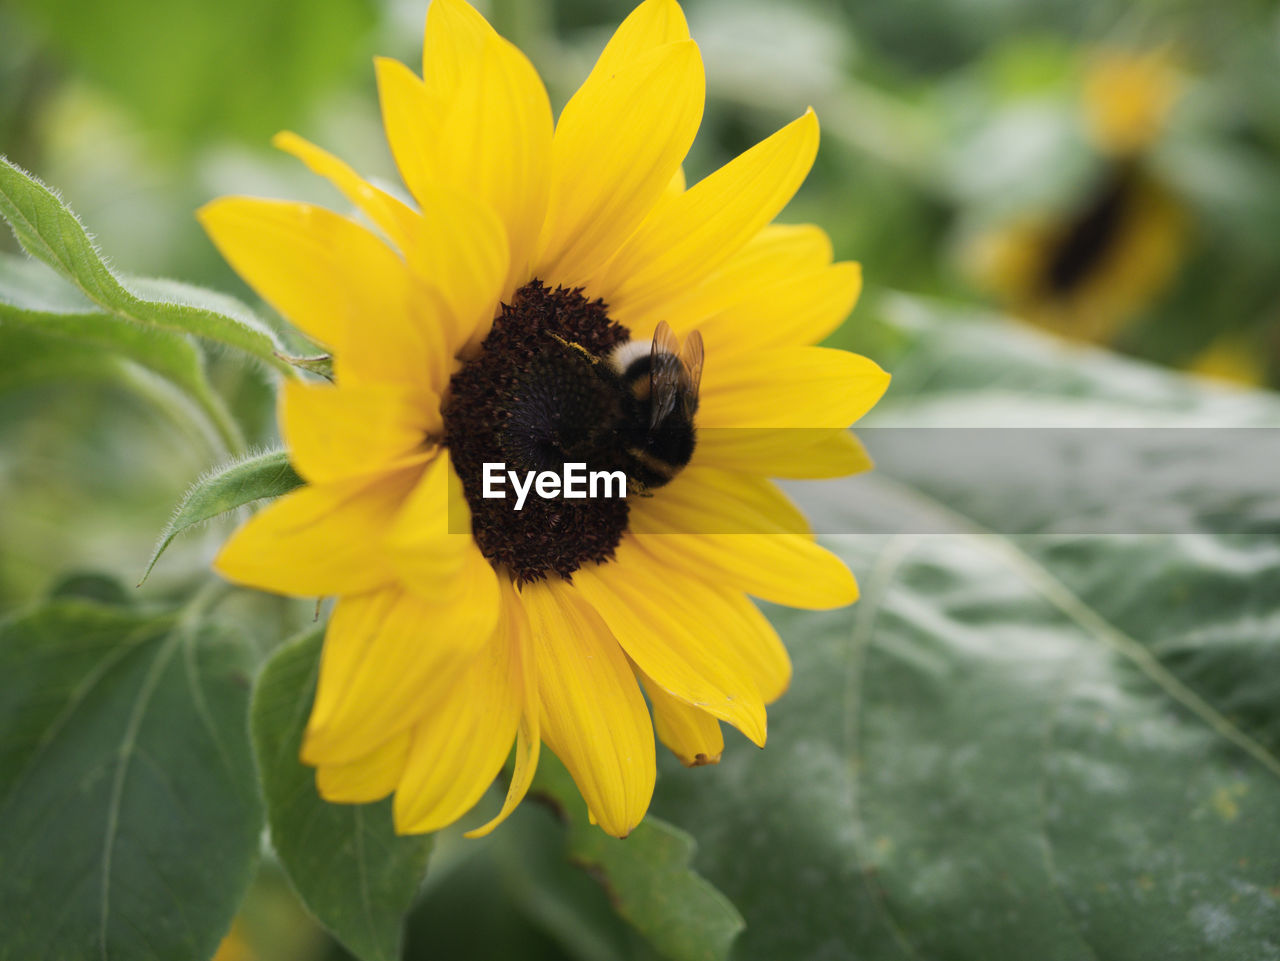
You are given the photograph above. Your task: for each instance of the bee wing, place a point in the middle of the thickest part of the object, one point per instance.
(665, 374)
(691, 359)
(664, 340)
(675, 373)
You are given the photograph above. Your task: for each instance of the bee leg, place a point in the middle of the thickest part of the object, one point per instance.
(572, 346)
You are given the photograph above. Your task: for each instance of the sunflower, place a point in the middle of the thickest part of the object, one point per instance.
(460, 625)
(1088, 268)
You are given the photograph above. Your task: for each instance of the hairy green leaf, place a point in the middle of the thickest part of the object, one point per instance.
(49, 231)
(1059, 746)
(129, 817)
(233, 485)
(345, 860)
(647, 876)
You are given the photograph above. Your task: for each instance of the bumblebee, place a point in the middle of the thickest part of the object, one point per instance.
(630, 410)
(661, 379)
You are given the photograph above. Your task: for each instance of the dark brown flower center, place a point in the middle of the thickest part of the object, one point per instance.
(531, 401)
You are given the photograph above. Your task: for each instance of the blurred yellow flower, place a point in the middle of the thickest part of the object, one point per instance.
(461, 331)
(1084, 270)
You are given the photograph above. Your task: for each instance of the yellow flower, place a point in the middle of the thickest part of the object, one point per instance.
(462, 626)
(1087, 270)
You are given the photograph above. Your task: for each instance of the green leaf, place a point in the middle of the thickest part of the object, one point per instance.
(33, 357)
(49, 231)
(647, 875)
(345, 860)
(544, 886)
(516, 897)
(320, 364)
(233, 485)
(26, 300)
(95, 586)
(129, 819)
(1061, 746)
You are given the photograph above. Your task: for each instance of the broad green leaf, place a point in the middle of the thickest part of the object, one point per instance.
(129, 817)
(1061, 746)
(241, 482)
(92, 586)
(513, 895)
(345, 860)
(26, 300)
(647, 875)
(544, 886)
(49, 231)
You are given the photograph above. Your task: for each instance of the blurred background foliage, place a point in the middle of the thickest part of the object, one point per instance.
(1109, 169)
(1105, 168)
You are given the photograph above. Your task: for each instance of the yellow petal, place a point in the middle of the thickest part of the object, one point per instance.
(335, 433)
(463, 738)
(741, 531)
(782, 568)
(459, 247)
(336, 282)
(390, 215)
(593, 716)
(498, 130)
(430, 544)
(389, 656)
(411, 118)
(371, 778)
(690, 734)
(689, 236)
(703, 500)
(775, 254)
(783, 452)
(756, 643)
(790, 387)
(528, 734)
(479, 122)
(456, 244)
(800, 310)
(454, 35)
(653, 23)
(424, 368)
(617, 144)
(665, 629)
(676, 185)
(319, 540)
